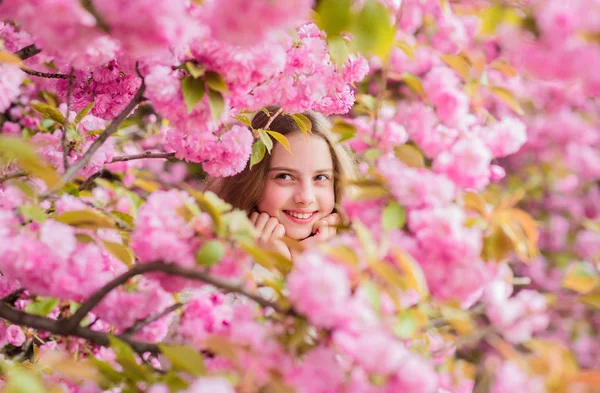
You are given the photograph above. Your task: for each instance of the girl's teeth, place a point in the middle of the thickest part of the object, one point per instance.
(303, 216)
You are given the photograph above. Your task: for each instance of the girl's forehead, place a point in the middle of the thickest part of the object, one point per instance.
(310, 153)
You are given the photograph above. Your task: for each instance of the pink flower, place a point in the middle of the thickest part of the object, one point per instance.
(210, 385)
(511, 378)
(467, 163)
(10, 128)
(15, 335)
(11, 78)
(504, 138)
(247, 22)
(319, 372)
(318, 289)
(231, 154)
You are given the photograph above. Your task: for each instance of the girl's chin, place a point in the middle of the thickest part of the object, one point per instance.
(298, 233)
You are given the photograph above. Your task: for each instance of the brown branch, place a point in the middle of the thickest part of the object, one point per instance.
(12, 175)
(55, 327)
(273, 118)
(111, 129)
(89, 6)
(89, 180)
(28, 51)
(44, 74)
(14, 295)
(63, 139)
(139, 325)
(173, 270)
(147, 154)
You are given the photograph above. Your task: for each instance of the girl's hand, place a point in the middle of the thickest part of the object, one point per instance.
(323, 229)
(270, 233)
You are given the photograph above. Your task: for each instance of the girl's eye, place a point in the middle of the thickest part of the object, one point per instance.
(283, 176)
(321, 177)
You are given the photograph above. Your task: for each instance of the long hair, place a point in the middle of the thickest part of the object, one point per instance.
(245, 190)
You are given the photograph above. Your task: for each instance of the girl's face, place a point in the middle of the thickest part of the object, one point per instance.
(299, 188)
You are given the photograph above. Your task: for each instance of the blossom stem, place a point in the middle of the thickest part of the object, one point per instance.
(173, 270)
(139, 325)
(63, 139)
(12, 175)
(147, 154)
(44, 74)
(28, 51)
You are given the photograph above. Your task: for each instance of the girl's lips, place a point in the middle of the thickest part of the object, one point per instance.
(300, 220)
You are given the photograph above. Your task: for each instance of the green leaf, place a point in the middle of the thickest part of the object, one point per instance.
(26, 157)
(338, 50)
(410, 155)
(405, 326)
(581, 278)
(373, 30)
(84, 112)
(373, 295)
(21, 380)
(343, 129)
(414, 83)
(258, 152)
(121, 252)
(281, 139)
(126, 358)
(111, 376)
(393, 216)
(194, 69)
(266, 139)
(216, 103)
(335, 16)
(184, 358)
(211, 253)
(33, 213)
(9, 58)
(406, 48)
(193, 91)
(48, 112)
(243, 119)
(124, 216)
(508, 98)
(42, 306)
(85, 219)
(216, 82)
(303, 122)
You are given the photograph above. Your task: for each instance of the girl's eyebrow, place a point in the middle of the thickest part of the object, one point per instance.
(284, 169)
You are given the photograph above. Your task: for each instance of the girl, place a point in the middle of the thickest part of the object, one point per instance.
(292, 195)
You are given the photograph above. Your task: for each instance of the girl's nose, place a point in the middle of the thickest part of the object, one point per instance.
(304, 195)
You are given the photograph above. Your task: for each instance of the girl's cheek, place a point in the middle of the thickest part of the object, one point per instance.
(273, 200)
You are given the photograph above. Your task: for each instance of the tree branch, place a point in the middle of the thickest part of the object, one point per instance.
(72, 323)
(12, 175)
(28, 51)
(14, 295)
(54, 326)
(63, 139)
(139, 325)
(147, 154)
(44, 74)
(273, 118)
(111, 129)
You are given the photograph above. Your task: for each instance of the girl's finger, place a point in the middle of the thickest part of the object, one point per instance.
(253, 217)
(278, 232)
(268, 229)
(333, 219)
(261, 221)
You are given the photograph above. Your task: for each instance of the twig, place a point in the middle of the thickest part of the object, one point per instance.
(273, 118)
(174, 270)
(44, 74)
(63, 139)
(12, 175)
(111, 129)
(89, 6)
(54, 326)
(28, 51)
(121, 224)
(14, 295)
(147, 154)
(89, 180)
(139, 325)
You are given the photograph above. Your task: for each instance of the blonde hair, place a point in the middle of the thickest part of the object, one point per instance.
(245, 189)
